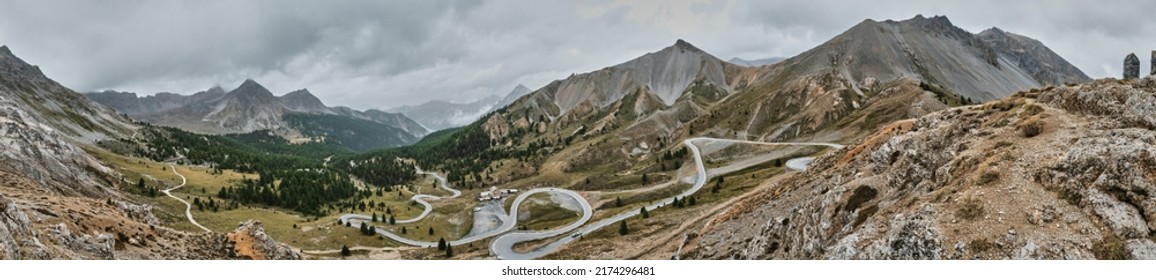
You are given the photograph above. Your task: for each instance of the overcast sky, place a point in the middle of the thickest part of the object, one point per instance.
(381, 54)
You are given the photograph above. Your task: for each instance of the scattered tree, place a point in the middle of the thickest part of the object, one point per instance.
(644, 180)
(622, 229)
(441, 244)
(392, 221)
(449, 250)
(618, 201)
(402, 230)
(345, 251)
(431, 231)
(644, 213)
(691, 201)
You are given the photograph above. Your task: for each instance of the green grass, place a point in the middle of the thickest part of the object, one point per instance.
(547, 215)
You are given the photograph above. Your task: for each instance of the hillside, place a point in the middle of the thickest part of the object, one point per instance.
(57, 201)
(1059, 173)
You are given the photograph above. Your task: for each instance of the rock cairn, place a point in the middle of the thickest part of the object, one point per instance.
(1131, 66)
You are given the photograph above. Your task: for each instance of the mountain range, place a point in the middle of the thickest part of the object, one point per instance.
(251, 107)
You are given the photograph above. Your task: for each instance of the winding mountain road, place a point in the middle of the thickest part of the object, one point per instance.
(502, 247)
(188, 207)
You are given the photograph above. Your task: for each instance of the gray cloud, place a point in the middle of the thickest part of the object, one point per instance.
(377, 54)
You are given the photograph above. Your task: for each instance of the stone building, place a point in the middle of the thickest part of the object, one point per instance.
(1131, 66)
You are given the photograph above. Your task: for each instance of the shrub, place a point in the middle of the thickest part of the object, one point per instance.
(1111, 247)
(1032, 110)
(970, 210)
(1032, 128)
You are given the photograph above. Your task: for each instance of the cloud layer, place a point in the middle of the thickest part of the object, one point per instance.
(380, 54)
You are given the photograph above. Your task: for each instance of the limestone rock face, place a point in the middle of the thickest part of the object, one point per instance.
(1131, 66)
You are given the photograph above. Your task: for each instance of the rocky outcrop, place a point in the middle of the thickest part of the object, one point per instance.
(249, 241)
(39, 152)
(1131, 66)
(18, 239)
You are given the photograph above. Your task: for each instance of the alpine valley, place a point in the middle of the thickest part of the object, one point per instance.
(910, 139)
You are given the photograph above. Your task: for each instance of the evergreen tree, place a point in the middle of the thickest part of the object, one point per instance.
(449, 250)
(644, 213)
(140, 184)
(676, 203)
(392, 221)
(431, 231)
(622, 229)
(618, 201)
(441, 244)
(375, 217)
(692, 201)
(345, 251)
(644, 180)
(402, 230)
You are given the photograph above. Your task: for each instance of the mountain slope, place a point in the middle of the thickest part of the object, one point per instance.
(1063, 173)
(980, 67)
(59, 202)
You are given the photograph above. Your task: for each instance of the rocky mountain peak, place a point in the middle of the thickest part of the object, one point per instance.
(252, 89)
(16, 67)
(684, 45)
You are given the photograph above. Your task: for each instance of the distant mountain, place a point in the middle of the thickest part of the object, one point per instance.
(756, 62)
(252, 107)
(303, 101)
(439, 114)
(518, 92)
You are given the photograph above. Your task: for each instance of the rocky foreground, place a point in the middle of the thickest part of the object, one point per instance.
(1065, 172)
(40, 225)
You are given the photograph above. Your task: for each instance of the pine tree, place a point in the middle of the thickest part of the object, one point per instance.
(692, 202)
(431, 231)
(644, 180)
(622, 229)
(449, 250)
(676, 203)
(140, 184)
(618, 201)
(441, 244)
(644, 213)
(375, 217)
(345, 251)
(402, 230)
(392, 221)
